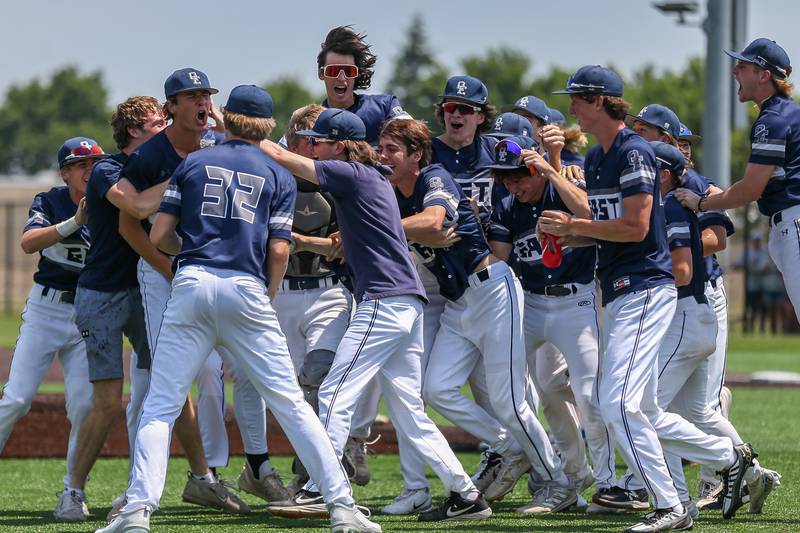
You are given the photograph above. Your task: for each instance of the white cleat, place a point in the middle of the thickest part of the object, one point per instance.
(551, 498)
(350, 520)
(512, 467)
(766, 481)
(411, 501)
(137, 521)
(71, 507)
(116, 506)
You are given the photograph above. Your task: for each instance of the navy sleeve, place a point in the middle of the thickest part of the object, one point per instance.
(638, 171)
(40, 213)
(395, 109)
(716, 218)
(498, 227)
(678, 224)
(441, 191)
(281, 213)
(336, 177)
(768, 140)
(139, 171)
(105, 176)
(171, 202)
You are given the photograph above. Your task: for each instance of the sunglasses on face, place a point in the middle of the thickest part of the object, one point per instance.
(333, 71)
(83, 150)
(509, 153)
(317, 140)
(463, 109)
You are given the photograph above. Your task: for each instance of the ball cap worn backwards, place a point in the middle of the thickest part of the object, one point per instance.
(250, 100)
(337, 124)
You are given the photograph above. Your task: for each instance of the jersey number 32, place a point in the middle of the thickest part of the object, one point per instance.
(222, 191)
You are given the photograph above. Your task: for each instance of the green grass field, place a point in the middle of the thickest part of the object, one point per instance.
(766, 417)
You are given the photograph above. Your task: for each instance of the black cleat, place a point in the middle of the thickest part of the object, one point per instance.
(733, 479)
(619, 498)
(457, 508)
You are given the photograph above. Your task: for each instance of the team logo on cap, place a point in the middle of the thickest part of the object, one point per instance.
(498, 123)
(195, 77)
(461, 88)
(643, 111)
(523, 102)
(502, 154)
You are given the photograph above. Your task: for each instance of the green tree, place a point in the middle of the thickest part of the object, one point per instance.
(503, 71)
(37, 117)
(288, 94)
(418, 78)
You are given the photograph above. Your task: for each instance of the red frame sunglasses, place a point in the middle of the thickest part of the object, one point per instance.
(463, 109)
(333, 71)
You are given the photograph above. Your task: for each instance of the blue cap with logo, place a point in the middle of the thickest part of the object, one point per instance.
(659, 116)
(510, 125)
(77, 149)
(687, 135)
(466, 89)
(187, 79)
(508, 153)
(250, 100)
(767, 54)
(337, 124)
(593, 79)
(558, 118)
(534, 106)
(668, 157)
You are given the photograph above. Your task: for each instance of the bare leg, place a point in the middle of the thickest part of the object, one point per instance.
(188, 433)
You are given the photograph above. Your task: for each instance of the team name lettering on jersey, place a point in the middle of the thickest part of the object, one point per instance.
(606, 205)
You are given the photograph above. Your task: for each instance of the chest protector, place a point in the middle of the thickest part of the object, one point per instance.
(314, 216)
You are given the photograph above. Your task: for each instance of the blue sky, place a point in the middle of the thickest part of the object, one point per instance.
(137, 44)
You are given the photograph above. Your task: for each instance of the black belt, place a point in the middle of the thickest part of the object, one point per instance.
(775, 219)
(307, 284)
(482, 275)
(713, 282)
(66, 297)
(556, 290)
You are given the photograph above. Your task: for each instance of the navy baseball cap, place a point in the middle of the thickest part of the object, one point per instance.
(187, 79)
(466, 89)
(337, 124)
(534, 106)
(659, 116)
(593, 79)
(510, 125)
(687, 135)
(767, 54)
(250, 100)
(668, 157)
(508, 153)
(558, 118)
(77, 149)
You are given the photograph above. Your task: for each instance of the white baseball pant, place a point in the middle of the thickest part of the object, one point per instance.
(48, 329)
(385, 339)
(211, 306)
(718, 300)
(486, 324)
(784, 249)
(571, 324)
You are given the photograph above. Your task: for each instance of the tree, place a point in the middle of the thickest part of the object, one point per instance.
(503, 71)
(288, 94)
(37, 117)
(418, 77)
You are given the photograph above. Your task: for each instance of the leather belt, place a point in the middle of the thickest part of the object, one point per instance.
(65, 297)
(307, 284)
(556, 290)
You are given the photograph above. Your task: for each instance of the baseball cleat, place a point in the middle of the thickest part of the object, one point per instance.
(116, 506)
(551, 498)
(268, 486)
(304, 504)
(137, 521)
(766, 481)
(300, 477)
(734, 477)
(356, 453)
(71, 507)
(691, 508)
(456, 508)
(488, 469)
(512, 467)
(662, 520)
(411, 501)
(350, 520)
(619, 498)
(216, 495)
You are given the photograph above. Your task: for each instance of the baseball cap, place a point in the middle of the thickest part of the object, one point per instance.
(77, 149)
(659, 116)
(250, 100)
(466, 89)
(669, 157)
(557, 118)
(510, 125)
(767, 54)
(534, 106)
(593, 79)
(687, 135)
(187, 79)
(338, 124)
(508, 153)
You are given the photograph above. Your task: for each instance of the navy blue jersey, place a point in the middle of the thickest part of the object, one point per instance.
(775, 138)
(628, 168)
(374, 110)
(231, 199)
(683, 231)
(59, 264)
(374, 243)
(571, 158)
(466, 165)
(452, 266)
(699, 184)
(111, 263)
(514, 222)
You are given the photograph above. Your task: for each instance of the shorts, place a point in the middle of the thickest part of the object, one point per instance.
(102, 318)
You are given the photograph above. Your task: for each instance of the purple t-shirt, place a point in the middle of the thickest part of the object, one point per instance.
(375, 245)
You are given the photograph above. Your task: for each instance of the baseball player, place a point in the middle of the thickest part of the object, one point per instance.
(345, 63)
(233, 209)
(384, 337)
(639, 299)
(56, 229)
(560, 307)
(188, 93)
(510, 125)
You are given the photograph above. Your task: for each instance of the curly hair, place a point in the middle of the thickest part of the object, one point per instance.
(615, 106)
(343, 40)
(132, 113)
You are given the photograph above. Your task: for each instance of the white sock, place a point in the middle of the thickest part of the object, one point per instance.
(265, 469)
(209, 476)
(471, 495)
(679, 508)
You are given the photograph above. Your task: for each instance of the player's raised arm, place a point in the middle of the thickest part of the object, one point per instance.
(140, 205)
(300, 166)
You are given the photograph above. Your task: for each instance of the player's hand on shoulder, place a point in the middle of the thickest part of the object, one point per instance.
(689, 199)
(81, 215)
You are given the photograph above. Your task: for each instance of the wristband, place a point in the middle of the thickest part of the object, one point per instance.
(67, 227)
